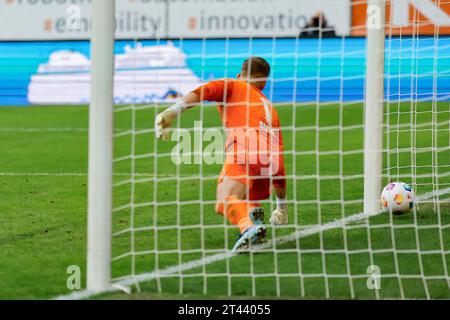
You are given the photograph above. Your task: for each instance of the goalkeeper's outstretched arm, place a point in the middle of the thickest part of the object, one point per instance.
(164, 120)
(212, 91)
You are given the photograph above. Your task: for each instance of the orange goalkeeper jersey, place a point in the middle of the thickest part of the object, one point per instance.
(246, 111)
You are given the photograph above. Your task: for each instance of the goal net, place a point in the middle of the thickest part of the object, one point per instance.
(166, 237)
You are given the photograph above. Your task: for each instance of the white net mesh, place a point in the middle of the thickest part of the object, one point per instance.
(168, 238)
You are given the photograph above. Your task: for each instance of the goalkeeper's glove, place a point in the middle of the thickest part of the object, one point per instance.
(280, 214)
(163, 122)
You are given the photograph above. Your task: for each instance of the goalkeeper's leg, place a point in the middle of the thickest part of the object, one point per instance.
(248, 217)
(231, 202)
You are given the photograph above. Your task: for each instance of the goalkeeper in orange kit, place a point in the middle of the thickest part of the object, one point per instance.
(254, 149)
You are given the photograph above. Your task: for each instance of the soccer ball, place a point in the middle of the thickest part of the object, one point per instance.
(397, 197)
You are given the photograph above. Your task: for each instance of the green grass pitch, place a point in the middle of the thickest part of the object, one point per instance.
(43, 208)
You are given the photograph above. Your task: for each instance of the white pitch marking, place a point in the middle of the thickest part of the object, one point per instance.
(68, 129)
(82, 174)
(131, 130)
(64, 174)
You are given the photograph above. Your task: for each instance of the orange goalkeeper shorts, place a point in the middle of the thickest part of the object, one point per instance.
(259, 187)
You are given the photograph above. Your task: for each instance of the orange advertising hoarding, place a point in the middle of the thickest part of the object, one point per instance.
(407, 17)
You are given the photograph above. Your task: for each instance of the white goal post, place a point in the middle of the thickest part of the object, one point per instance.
(373, 109)
(100, 146)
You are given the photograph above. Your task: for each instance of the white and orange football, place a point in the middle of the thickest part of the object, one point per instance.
(397, 197)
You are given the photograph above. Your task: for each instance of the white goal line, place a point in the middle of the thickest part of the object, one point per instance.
(127, 131)
(68, 174)
(148, 177)
(123, 285)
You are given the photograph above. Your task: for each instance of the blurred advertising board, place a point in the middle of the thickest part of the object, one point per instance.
(150, 19)
(407, 17)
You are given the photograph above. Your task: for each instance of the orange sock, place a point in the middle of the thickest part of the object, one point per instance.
(237, 212)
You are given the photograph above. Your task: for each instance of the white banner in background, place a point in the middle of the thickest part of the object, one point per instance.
(71, 19)
(143, 74)
(263, 18)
